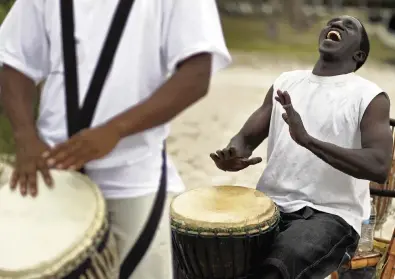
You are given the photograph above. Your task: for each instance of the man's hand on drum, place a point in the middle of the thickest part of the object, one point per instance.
(292, 118)
(85, 146)
(228, 160)
(28, 163)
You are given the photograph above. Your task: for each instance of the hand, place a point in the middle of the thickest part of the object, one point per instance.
(85, 146)
(28, 162)
(293, 119)
(228, 160)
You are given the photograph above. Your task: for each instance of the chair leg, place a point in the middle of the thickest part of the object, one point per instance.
(335, 275)
(389, 270)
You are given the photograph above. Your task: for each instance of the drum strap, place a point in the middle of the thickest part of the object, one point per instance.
(81, 118)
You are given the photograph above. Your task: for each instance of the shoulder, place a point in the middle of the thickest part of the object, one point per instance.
(287, 78)
(28, 5)
(363, 86)
(370, 96)
(205, 6)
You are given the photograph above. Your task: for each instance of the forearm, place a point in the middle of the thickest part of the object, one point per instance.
(242, 145)
(255, 130)
(363, 163)
(184, 88)
(17, 97)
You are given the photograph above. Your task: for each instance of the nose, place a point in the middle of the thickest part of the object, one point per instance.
(338, 25)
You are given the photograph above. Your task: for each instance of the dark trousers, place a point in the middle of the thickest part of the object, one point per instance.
(311, 245)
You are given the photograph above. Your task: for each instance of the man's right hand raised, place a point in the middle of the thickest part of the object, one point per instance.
(29, 161)
(228, 160)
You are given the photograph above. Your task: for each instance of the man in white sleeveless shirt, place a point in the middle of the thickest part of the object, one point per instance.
(163, 64)
(328, 135)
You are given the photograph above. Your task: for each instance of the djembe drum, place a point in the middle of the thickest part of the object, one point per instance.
(61, 233)
(221, 232)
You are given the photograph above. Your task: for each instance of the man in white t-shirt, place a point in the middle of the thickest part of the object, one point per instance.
(328, 135)
(163, 64)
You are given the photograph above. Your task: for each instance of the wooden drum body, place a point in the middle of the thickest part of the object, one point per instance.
(221, 232)
(61, 233)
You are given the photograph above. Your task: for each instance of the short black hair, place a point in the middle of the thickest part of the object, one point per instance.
(364, 46)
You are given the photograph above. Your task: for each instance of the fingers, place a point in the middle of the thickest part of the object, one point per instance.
(23, 184)
(221, 154)
(31, 186)
(285, 100)
(60, 153)
(42, 167)
(227, 153)
(215, 157)
(285, 118)
(232, 152)
(254, 161)
(14, 179)
(69, 155)
(280, 97)
(27, 180)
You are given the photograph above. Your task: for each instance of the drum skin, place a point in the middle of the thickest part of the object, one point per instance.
(63, 233)
(231, 249)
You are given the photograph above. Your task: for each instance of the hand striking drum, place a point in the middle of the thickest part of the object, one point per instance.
(221, 232)
(73, 240)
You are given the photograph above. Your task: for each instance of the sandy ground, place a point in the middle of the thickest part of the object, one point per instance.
(235, 93)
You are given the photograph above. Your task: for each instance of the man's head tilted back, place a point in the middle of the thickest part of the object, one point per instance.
(344, 39)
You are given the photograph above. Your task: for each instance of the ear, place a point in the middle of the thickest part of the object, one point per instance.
(359, 56)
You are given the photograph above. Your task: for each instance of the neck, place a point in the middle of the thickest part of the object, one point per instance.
(332, 68)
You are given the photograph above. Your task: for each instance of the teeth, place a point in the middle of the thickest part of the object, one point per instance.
(334, 32)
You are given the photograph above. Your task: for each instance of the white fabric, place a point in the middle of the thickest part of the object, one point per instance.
(331, 109)
(158, 35)
(127, 226)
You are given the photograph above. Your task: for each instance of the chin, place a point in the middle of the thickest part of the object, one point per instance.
(327, 55)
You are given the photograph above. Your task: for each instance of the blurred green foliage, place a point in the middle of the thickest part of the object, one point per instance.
(6, 140)
(251, 34)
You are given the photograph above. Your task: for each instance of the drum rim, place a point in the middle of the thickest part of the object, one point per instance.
(75, 255)
(183, 224)
(261, 227)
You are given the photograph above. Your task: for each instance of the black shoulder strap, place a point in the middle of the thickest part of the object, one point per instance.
(70, 67)
(78, 119)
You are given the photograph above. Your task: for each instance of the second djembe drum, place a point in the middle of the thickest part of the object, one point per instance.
(221, 232)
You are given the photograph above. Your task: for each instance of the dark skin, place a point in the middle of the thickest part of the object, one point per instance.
(17, 98)
(371, 162)
(236, 156)
(188, 84)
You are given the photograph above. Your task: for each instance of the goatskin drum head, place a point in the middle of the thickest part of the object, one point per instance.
(223, 208)
(40, 235)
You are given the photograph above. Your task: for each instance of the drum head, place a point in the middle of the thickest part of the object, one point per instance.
(40, 235)
(223, 209)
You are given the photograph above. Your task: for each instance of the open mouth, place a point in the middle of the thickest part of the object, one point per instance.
(334, 35)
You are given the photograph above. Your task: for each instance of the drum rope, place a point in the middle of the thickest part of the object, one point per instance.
(193, 260)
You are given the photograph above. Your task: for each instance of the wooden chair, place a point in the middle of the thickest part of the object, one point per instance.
(383, 256)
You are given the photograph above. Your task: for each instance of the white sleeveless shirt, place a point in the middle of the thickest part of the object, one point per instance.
(331, 109)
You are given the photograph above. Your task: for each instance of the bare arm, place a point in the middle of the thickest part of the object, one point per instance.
(256, 128)
(373, 161)
(185, 87)
(17, 97)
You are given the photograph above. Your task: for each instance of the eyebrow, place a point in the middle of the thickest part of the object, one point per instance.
(353, 22)
(334, 19)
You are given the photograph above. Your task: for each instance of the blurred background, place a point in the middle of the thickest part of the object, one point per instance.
(266, 38)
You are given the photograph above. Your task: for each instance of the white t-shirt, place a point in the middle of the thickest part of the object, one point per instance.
(157, 36)
(331, 109)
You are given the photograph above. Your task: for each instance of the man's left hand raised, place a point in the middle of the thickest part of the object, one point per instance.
(83, 147)
(293, 119)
